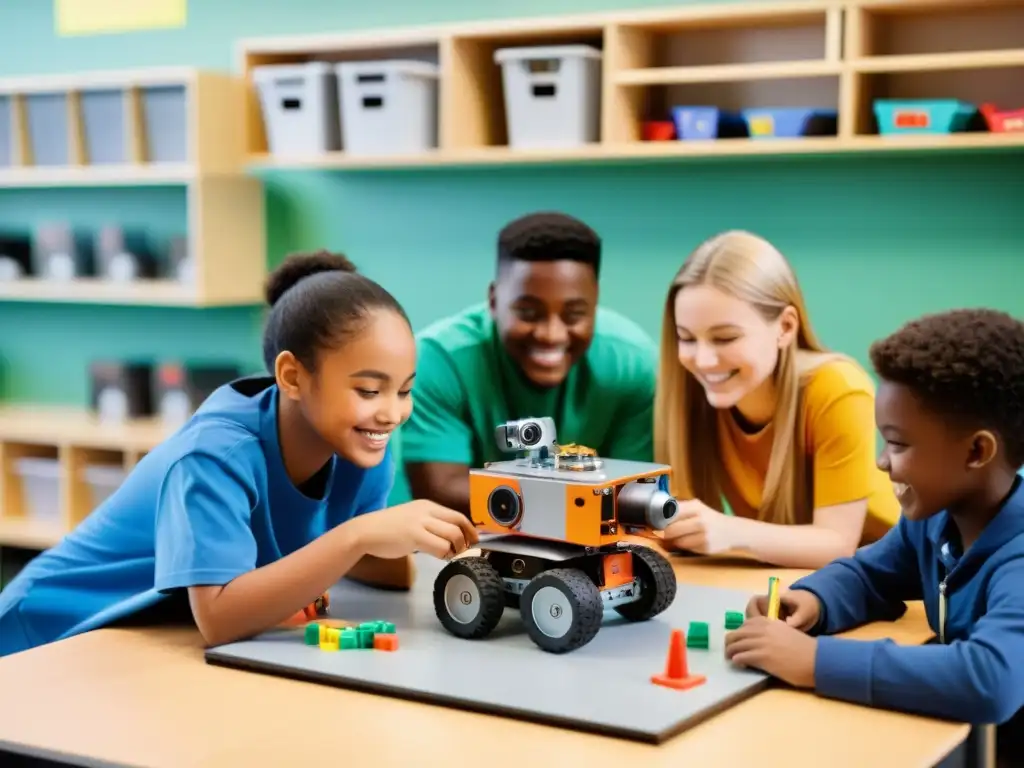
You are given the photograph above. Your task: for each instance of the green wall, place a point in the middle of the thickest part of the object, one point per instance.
(875, 240)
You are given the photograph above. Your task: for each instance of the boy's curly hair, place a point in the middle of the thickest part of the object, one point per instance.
(549, 236)
(965, 364)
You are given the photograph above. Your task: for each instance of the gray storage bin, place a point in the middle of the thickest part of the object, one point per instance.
(103, 123)
(300, 108)
(48, 131)
(40, 483)
(6, 132)
(102, 480)
(165, 122)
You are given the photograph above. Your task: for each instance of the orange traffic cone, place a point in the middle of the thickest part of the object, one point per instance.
(677, 674)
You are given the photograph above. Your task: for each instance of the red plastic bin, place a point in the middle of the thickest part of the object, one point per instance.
(1011, 121)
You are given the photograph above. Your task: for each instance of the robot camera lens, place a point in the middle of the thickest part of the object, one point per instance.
(530, 434)
(669, 509)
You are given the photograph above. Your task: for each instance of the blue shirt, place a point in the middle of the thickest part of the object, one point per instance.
(974, 674)
(207, 505)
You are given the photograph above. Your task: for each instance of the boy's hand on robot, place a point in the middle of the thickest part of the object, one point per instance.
(698, 528)
(417, 526)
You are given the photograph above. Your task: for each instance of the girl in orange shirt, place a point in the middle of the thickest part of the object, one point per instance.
(751, 410)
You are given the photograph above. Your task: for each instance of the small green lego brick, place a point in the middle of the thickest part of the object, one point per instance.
(349, 639)
(312, 634)
(697, 636)
(365, 637)
(733, 619)
(385, 628)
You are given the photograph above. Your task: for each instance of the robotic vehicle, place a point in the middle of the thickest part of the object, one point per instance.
(554, 523)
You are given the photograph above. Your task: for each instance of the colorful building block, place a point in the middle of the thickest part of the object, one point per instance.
(331, 639)
(733, 619)
(697, 635)
(385, 642)
(312, 634)
(349, 639)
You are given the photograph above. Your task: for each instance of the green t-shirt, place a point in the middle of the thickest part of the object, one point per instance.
(466, 385)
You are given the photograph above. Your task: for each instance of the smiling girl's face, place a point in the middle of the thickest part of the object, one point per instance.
(728, 346)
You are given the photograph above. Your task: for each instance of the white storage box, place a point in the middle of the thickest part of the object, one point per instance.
(387, 107)
(103, 480)
(300, 108)
(552, 95)
(40, 482)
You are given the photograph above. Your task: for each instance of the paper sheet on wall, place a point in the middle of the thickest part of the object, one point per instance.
(96, 17)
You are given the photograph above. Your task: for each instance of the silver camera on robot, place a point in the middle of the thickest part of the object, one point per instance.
(526, 434)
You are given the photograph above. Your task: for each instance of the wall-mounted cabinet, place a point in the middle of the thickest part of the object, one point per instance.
(167, 127)
(698, 80)
(58, 464)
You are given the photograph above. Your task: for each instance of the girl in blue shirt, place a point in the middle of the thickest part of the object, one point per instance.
(269, 495)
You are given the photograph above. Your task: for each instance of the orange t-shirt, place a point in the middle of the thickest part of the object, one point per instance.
(839, 419)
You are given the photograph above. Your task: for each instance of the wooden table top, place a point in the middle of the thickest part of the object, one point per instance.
(146, 697)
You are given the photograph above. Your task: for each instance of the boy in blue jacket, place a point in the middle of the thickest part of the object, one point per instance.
(950, 407)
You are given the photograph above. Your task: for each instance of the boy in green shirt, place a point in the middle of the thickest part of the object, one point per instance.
(539, 347)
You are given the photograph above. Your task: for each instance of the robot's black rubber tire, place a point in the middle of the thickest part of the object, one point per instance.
(573, 591)
(657, 584)
(480, 595)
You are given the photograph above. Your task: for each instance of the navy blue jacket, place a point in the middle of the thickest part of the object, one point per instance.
(974, 603)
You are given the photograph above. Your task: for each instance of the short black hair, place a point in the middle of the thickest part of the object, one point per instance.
(549, 236)
(966, 365)
(318, 300)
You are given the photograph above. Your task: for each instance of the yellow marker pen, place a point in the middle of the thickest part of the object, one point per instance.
(773, 597)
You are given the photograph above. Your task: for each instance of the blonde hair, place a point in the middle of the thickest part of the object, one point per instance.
(686, 424)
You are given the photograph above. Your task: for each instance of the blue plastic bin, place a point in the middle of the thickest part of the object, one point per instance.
(48, 131)
(103, 123)
(903, 116)
(165, 122)
(695, 123)
(790, 122)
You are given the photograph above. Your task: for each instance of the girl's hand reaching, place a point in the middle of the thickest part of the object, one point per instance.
(417, 526)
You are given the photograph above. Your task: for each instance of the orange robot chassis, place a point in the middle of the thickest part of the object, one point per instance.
(554, 527)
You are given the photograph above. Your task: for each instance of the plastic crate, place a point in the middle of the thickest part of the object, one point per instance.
(103, 123)
(40, 482)
(165, 122)
(1011, 121)
(387, 107)
(702, 123)
(916, 116)
(552, 95)
(790, 122)
(103, 480)
(300, 108)
(48, 128)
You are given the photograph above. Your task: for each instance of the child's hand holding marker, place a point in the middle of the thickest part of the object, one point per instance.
(799, 608)
(780, 648)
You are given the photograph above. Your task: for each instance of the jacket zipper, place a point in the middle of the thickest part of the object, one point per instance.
(942, 612)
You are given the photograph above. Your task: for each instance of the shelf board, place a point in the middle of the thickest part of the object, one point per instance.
(939, 62)
(725, 73)
(30, 534)
(156, 293)
(97, 176)
(667, 150)
(65, 425)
